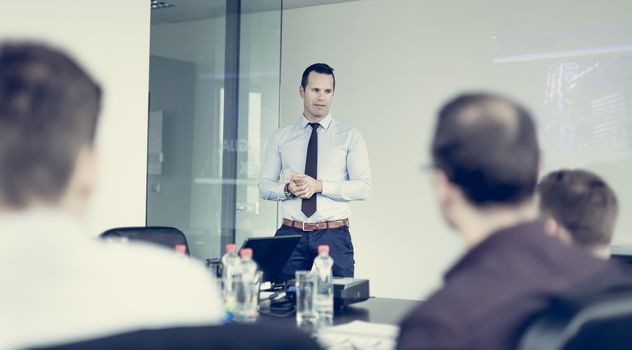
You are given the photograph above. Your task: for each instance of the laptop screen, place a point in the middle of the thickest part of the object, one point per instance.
(271, 254)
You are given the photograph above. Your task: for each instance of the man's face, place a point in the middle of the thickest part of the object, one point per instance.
(317, 95)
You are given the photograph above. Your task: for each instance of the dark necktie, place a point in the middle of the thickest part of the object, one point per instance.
(308, 206)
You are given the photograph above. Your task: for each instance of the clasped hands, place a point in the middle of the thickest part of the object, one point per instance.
(304, 186)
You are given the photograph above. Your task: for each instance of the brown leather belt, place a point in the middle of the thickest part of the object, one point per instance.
(313, 226)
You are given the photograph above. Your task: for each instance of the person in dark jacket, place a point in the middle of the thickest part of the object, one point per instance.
(485, 157)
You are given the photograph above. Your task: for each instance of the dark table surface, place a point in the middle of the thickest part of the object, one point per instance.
(377, 310)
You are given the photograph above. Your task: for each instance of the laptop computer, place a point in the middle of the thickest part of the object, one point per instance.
(271, 254)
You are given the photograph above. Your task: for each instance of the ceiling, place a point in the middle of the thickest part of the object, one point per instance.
(191, 10)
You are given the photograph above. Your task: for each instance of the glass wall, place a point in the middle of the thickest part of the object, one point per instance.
(187, 124)
(259, 92)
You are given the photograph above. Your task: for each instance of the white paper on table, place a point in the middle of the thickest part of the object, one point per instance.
(359, 335)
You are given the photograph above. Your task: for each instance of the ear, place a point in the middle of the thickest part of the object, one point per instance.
(443, 188)
(87, 169)
(555, 229)
(301, 91)
(552, 227)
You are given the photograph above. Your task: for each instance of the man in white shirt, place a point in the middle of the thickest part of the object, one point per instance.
(58, 284)
(315, 167)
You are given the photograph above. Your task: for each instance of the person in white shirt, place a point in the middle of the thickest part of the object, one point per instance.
(315, 167)
(58, 283)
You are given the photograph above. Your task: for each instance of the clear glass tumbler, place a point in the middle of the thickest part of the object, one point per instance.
(305, 309)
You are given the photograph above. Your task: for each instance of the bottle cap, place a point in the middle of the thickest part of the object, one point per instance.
(323, 249)
(181, 248)
(246, 253)
(230, 247)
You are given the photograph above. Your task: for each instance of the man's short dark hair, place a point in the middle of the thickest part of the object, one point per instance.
(487, 146)
(48, 111)
(581, 202)
(321, 68)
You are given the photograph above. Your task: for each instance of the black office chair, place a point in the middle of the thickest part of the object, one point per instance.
(168, 237)
(227, 337)
(599, 322)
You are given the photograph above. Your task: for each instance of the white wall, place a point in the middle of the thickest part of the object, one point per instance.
(396, 61)
(111, 40)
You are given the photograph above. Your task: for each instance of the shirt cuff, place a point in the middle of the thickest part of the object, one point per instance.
(330, 188)
(280, 192)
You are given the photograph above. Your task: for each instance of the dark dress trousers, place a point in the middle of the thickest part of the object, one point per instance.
(338, 240)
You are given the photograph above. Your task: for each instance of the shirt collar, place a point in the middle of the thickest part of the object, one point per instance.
(325, 123)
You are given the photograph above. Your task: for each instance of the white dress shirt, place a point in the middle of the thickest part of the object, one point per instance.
(59, 285)
(343, 168)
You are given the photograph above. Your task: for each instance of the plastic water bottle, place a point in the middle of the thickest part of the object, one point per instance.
(248, 266)
(324, 298)
(247, 288)
(230, 274)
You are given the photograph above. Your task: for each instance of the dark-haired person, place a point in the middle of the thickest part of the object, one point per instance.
(485, 156)
(58, 284)
(315, 167)
(579, 207)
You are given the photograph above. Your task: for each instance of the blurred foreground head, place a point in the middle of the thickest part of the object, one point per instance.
(48, 114)
(486, 157)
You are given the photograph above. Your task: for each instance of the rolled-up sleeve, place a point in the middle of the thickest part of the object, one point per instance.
(358, 186)
(269, 186)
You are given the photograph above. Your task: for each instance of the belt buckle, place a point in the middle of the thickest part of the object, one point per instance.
(304, 227)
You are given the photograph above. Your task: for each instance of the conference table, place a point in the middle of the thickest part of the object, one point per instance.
(385, 311)
(376, 310)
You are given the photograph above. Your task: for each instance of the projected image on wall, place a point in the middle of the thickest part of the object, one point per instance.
(587, 111)
(578, 83)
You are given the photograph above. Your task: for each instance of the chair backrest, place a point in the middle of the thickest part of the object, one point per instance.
(228, 337)
(598, 322)
(168, 237)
